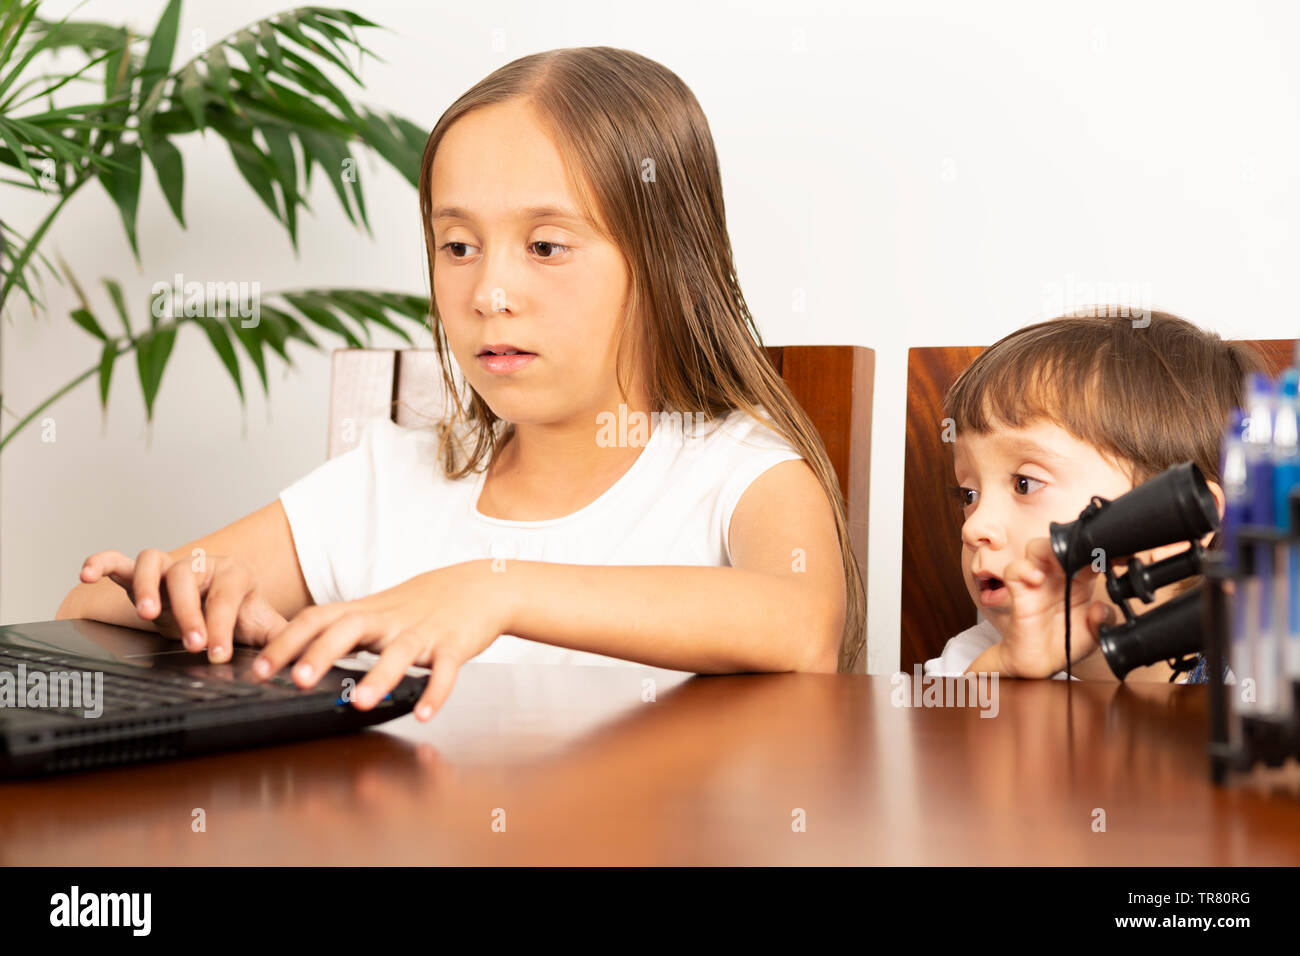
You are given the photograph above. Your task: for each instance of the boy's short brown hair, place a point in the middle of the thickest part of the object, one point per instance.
(1147, 396)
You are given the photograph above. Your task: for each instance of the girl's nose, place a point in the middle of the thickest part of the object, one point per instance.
(492, 298)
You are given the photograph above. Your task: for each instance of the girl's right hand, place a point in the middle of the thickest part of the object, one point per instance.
(209, 608)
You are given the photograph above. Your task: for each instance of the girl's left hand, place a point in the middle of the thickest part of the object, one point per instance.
(438, 619)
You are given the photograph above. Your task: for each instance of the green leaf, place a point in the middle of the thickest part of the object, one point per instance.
(87, 321)
(166, 160)
(275, 332)
(216, 333)
(330, 154)
(117, 69)
(383, 139)
(254, 165)
(343, 16)
(246, 44)
(124, 186)
(106, 362)
(288, 25)
(161, 49)
(16, 20)
(90, 37)
(291, 110)
(151, 354)
(9, 105)
(324, 25)
(251, 340)
(416, 137)
(190, 88)
(293, 328)
(317, 310)
(281, 152)
(303, 72)
(363, 311)
(17, 147)
(119, 301)
(219, 76)
(266, 33)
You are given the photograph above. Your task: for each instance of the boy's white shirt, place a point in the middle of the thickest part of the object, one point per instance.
(962, 650)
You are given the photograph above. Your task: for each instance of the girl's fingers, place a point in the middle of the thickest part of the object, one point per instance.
(230, 587)
(336, 640)
(435, 694)
(100, 563)
(186, 605)
(114, 565)
(296, 635)
(149, 567)
(388, 670)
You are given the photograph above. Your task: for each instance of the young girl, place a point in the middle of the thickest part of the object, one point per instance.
(582, 279)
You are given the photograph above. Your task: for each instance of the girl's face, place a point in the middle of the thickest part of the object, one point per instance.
(515, 265)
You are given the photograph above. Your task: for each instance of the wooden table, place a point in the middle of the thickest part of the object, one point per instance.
(571, 765)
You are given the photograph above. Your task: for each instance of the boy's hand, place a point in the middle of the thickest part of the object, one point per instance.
(1033, 639)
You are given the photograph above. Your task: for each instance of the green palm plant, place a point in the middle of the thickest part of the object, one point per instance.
(142, 104)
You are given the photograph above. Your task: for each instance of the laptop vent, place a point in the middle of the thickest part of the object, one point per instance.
(151, 739)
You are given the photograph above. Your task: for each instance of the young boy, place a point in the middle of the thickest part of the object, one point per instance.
(1047, 417)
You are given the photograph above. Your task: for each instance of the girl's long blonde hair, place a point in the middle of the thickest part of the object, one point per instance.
(640, 152)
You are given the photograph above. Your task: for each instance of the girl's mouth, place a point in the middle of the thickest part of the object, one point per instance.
(505, 364)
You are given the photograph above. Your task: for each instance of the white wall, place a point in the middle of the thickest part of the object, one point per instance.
(928, 174)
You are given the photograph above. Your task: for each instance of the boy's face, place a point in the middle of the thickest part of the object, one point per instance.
(1014, 482)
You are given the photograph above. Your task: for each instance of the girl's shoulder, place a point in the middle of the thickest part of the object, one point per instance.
(736, 429)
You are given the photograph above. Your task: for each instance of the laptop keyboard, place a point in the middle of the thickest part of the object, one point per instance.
(132, 689)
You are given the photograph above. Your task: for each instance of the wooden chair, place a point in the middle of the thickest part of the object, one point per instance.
(833, 384)
(935, 605)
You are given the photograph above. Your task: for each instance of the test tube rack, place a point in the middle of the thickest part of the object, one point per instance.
(1239, 740)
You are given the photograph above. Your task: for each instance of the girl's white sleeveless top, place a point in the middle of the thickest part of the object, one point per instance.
(383, 513)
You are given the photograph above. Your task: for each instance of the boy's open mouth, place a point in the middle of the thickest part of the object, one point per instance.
(993, 591)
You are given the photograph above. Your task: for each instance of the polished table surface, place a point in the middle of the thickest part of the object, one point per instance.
(574, 765)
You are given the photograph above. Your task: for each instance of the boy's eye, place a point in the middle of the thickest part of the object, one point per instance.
(966, 496)
(1025, 485)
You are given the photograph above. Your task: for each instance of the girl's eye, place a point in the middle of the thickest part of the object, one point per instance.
(448, 245)
(547, 246)
(967, 496)
(1025, 485)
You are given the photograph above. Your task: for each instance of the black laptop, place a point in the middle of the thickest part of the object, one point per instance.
(80, 695)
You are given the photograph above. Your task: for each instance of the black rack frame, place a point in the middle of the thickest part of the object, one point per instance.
(1256, 738)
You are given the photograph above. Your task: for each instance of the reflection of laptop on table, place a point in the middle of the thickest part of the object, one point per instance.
(80, 694)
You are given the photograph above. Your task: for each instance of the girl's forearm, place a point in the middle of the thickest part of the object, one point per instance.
(701, 619)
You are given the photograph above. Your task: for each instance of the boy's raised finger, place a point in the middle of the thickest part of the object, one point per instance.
(1023, 572)
(1040, 554)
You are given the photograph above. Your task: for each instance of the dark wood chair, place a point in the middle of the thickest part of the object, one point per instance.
(833, 384)
(935, 605)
